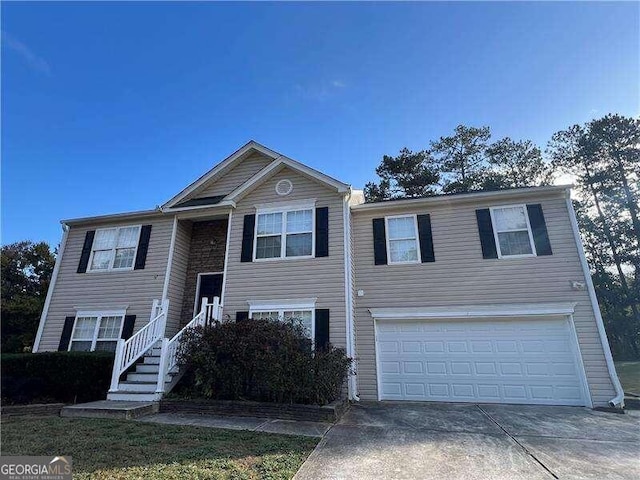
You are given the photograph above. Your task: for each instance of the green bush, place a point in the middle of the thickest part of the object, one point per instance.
(261, 360)
(67, 377)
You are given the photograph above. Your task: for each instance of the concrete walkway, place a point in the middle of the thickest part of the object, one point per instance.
(254, 424)
(465, 441)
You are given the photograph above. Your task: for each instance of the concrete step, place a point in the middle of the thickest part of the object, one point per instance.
(143, 387)
(147, 368)
(155, 351)
(134, 396)
(152, 360)
(111, 409)
(146, 377)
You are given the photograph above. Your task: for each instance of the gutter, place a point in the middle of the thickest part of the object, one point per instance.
(461, 197)
(52, 284)
(618, 400)
(348, 292)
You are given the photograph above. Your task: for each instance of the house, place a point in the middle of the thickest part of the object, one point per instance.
(478, 297)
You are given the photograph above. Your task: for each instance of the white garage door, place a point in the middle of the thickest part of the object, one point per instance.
(495, 361)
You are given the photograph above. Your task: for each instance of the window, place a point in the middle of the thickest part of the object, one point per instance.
(304, 316)
(512, 231)
(284, 234)
(402, 239)
(95, 331)
(114, 248)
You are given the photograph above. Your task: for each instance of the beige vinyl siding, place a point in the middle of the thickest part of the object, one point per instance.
(135, 289)
(229, 180)
(460, 276)
(177, 278)
(292, 278)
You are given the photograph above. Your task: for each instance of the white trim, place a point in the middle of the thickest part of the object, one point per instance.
(113, 250)
(474, 311)
(285, 304)
(196, 304)
(618, 400)
(274, 207)
(227, 162)
(172, 247)
(416, 239)
(140, 214)
(295, 305)
(100, 308)
(532, 244)
(515, 193)
(99, 314)
(578, 355)
(52, 284)
(226, 259)
(352, 383)
(284, 210)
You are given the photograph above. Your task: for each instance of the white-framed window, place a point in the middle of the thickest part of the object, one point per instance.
(96, 331)
(402, 239)
(284, 233)
(512, 231)
(114, 248)
(302, 311)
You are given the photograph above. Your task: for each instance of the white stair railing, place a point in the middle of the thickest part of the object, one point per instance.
(129, 351)
(209, 312)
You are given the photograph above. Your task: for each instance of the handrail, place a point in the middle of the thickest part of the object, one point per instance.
(130, 350)
(209, 312)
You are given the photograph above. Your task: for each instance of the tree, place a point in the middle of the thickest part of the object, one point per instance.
(603, 155)
(462, 158)
(407, 175)
(514, 164)
(26, 269)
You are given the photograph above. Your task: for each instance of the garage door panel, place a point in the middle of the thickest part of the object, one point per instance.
(530, 362)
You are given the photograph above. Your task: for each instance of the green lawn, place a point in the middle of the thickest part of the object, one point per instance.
(629, 375)
(126, 450)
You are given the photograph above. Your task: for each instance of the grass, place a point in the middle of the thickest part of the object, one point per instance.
(629, 374)
(118, 449)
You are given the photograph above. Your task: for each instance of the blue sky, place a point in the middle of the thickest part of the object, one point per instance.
(116, 107)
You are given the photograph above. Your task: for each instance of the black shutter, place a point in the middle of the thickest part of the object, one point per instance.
(66, 334)
(127, 328)
(539, 229)
(322, 328)
(485, 230)
(86, 251)
(143, 247)
(242, 316)
(426, 240)
(379, 242)
(322, 232)
(247, 238)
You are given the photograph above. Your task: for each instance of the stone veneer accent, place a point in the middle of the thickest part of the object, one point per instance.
(206, 255)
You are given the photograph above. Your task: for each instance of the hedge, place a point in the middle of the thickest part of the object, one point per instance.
(68, 377)
(261, 360)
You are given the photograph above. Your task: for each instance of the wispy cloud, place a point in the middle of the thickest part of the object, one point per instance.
(34, 61)
(320, 90)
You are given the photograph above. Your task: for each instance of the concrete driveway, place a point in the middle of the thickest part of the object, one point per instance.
(465, 441)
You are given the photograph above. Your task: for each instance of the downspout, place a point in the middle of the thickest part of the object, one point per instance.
(54, 277)
(348, 292)
(618, 400)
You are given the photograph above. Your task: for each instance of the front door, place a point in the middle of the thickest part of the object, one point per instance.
(210, 285)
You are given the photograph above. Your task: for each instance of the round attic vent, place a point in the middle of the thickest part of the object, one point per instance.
(284, 187)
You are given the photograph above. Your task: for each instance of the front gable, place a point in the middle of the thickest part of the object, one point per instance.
(241, 173)
(226, 176)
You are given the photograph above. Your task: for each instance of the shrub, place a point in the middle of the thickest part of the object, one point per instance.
(261, 360)
(67, 377)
